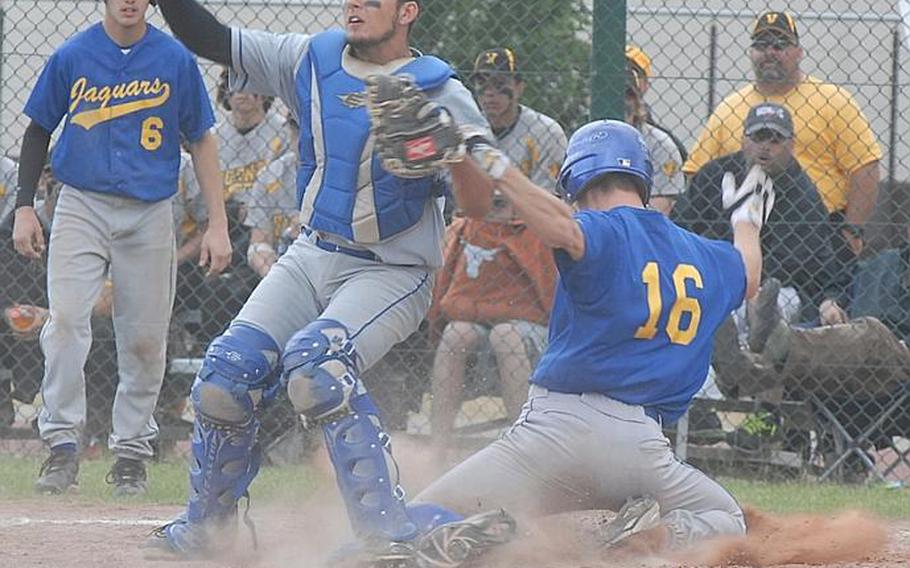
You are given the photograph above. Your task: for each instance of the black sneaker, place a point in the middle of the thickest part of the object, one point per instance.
(58, 473)
(128, 476)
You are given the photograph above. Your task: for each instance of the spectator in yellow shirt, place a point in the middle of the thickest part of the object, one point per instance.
(834, 142)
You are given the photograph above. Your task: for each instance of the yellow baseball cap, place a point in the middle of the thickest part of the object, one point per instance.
(639, 58)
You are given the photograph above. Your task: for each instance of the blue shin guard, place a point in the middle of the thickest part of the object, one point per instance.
(320, 366)
(238, 376)
(367, 475)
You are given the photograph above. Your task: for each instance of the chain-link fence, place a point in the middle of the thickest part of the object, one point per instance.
(812, 379)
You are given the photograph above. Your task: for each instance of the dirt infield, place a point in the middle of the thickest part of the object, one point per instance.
(301, 531)
(75, 535)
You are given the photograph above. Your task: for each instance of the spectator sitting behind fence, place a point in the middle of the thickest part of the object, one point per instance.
(833, 142)
(272, 210)
(668, 179)
(494, 293)
(637, 59)
(22, 297)
(796, 246)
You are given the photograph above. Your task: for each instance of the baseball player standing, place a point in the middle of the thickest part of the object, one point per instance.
(533, 141)
(637, 303)
(356, 281)
(126, 93)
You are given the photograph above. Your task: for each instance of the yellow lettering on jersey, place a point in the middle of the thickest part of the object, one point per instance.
(241, 178)
(533, 156)
(81, 92)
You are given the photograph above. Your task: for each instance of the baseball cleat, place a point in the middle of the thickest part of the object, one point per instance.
(177, 540)
(453, 544)
(58, 473)
(128, 476)
(637, 515)
(447, 546)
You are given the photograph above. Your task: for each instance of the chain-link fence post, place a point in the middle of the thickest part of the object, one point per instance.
(608, 60)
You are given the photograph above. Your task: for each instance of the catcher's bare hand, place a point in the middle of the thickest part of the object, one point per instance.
(414, 136)
(28, 235)
(215, 249)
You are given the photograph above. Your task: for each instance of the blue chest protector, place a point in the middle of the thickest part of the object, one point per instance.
(332, 146)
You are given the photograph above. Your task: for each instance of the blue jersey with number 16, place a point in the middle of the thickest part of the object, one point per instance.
(634, 319)
(126, 110)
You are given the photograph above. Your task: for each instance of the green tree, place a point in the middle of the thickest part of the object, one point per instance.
(550, 37)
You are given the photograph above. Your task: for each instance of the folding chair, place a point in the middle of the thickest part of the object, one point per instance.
(846, 445)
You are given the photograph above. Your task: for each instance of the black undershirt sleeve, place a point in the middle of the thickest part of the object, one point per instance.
(198, 29)
(35, 142)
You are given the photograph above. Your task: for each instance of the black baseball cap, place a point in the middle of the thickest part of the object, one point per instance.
(497, 60)
(769, 116)
(779, 24)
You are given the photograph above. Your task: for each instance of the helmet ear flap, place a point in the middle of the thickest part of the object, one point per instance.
(561, 185)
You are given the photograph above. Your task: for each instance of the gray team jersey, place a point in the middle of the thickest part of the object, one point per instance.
(243, 156)
(668, 178)
(537, 145)
(272, 203)
(8, 173)
(267, 63)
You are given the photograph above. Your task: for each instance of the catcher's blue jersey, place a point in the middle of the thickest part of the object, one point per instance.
(125, 112)
(635, 318)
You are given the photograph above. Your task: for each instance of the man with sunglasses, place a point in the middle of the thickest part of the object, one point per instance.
(800, 269)
(834, 141)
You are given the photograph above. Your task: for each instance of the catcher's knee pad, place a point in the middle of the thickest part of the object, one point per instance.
(367, 474)
(239, 374)
(320, 370)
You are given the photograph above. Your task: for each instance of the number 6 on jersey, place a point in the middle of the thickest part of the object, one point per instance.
(650, 275)
(150, 138)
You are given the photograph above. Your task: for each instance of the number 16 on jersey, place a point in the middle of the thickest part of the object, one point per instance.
(683, 273)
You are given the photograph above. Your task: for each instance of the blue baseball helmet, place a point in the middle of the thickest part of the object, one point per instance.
(602, 147)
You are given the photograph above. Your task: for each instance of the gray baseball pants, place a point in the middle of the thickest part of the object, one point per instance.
(380, 304)
(93, 235)
(569, 452)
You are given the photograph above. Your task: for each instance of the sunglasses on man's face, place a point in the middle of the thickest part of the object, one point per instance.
(767, 135)
(778, 44)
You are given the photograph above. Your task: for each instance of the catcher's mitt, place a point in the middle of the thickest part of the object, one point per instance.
(413, 135)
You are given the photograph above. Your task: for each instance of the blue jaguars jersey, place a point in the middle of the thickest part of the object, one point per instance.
(125, 113)
(634, 319)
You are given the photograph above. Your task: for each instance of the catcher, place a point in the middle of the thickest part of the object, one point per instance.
(355, 282)
(637, 304)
